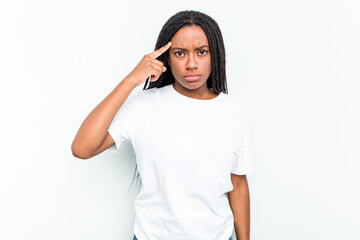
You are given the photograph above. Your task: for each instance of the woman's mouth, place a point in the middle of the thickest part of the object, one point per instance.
(192, 77)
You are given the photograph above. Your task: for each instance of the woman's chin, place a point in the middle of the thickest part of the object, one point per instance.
(194, 84)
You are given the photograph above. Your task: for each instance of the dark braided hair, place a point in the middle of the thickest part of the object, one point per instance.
(217, 78)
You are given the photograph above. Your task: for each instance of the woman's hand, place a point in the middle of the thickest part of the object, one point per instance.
(149, 65)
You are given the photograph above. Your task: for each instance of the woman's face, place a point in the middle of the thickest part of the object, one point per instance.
(189, 57)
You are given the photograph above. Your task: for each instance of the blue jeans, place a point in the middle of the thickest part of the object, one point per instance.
(137, 239)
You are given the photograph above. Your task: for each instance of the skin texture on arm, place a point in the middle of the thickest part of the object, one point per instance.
(92, 137)
(239, 199)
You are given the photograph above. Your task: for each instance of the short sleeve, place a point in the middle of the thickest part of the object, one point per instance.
(243, 163)
(120, 127)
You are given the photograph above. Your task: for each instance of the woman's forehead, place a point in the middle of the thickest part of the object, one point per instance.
(190, 37)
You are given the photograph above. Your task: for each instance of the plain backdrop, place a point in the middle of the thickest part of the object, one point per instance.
(295, 63)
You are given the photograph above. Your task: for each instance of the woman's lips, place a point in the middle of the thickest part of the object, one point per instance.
(192, 77)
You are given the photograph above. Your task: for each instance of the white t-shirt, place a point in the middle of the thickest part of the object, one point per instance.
(185, 150)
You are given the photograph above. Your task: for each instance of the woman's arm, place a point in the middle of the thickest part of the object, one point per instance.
(92, 137)
(92, 133)
(239, 199)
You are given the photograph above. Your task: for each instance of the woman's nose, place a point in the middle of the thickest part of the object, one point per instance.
(191, 62)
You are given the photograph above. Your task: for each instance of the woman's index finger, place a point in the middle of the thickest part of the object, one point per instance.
(160, 51)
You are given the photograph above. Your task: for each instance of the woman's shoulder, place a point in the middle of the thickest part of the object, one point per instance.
(150, 93)
(238, 105)
(235, 101)
(140, 97)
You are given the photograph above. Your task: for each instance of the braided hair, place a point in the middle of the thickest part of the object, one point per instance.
(217, 78)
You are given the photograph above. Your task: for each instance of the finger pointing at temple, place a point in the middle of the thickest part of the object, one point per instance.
(160, 51)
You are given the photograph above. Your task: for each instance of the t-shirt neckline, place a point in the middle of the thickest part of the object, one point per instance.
(175, 93)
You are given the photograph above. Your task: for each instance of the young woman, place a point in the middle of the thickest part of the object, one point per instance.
(191, 139)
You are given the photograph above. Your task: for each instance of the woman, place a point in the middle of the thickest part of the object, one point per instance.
(190, 137)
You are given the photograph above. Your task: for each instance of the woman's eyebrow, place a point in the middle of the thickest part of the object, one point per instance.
(198, 48)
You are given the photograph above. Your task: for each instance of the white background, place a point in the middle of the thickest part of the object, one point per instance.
(296, 64)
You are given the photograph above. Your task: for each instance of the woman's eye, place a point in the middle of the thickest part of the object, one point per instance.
(178, 53)
(203, 52)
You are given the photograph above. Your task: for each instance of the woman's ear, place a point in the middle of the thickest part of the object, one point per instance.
(168, 61)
